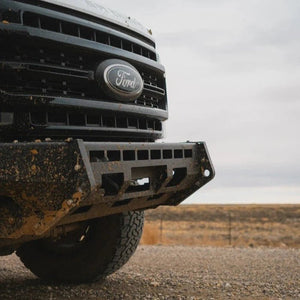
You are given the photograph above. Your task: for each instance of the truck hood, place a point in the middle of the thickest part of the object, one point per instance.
(94, 8)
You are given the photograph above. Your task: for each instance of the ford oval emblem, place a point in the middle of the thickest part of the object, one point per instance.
(120, 80)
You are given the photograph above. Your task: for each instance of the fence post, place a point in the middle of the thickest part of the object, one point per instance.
(230, 228)
(161, 228)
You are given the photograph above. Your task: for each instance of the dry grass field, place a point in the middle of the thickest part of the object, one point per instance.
(221, 225)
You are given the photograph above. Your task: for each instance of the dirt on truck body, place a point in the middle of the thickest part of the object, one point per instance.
(82, 101)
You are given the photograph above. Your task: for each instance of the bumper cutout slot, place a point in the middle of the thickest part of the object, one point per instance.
(178, 176)
(97, 156)
(122, 203)
(112, 183)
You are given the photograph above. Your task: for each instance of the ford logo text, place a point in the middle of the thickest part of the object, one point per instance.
(120, 80)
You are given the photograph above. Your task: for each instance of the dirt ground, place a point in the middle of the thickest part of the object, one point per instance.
(262, 262)
(173, 272)
(223, 225)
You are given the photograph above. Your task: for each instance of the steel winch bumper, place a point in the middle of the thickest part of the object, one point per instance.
(46, 185)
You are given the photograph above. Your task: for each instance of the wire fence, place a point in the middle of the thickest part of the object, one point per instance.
(231, 228)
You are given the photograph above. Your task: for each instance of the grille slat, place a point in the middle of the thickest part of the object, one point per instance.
(60, 26)
(87, 120)
(44, 22)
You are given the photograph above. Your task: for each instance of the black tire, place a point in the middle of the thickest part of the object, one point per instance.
(100, 248)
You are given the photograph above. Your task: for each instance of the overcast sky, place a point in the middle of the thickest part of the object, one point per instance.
(233, 73)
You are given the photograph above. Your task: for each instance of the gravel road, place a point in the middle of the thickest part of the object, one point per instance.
(157, 272)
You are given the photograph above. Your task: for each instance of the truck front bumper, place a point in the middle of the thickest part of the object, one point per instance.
(46, 185)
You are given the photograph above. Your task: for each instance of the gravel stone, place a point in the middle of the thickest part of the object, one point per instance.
(173, 272)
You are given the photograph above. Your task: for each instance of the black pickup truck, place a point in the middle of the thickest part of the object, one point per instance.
(82, 101)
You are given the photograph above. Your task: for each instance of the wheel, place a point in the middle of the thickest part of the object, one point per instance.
(97, 249)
